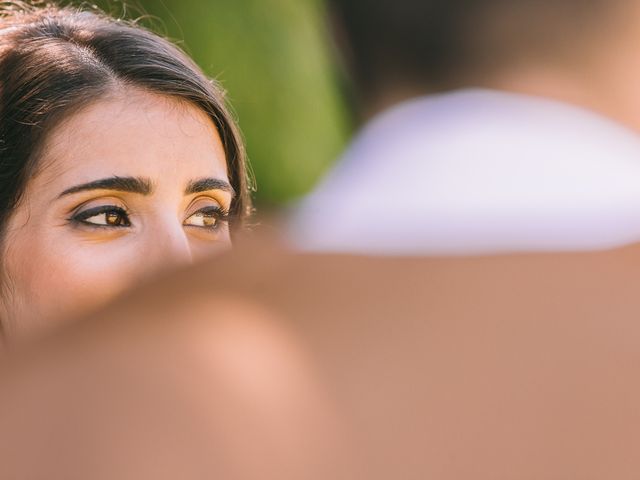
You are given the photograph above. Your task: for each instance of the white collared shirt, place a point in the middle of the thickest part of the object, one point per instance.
(478, 171)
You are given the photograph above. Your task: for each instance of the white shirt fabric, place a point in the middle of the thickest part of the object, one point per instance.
(478, 171)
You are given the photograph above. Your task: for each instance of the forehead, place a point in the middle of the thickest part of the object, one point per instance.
(134, 133)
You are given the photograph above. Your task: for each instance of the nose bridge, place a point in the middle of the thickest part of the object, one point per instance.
(169, 245)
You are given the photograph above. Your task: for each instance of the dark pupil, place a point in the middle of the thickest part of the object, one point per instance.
(114, 219)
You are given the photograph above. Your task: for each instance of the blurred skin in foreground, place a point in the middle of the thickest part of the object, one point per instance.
(278, 366)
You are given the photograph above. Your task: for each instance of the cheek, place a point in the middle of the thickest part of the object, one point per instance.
(55, 277)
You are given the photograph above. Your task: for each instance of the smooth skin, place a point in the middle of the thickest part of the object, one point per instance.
(130, 185)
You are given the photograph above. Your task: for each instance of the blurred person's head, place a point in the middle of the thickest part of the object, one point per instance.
(117, 157)
(583, 51)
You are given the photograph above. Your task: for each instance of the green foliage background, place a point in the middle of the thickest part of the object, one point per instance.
(274, 59)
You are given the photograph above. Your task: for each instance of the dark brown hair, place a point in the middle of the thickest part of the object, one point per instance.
(56, 60)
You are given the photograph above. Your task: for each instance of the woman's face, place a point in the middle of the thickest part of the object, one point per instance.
(130, 185)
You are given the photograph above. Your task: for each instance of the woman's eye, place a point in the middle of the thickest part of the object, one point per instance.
(106, 216)
(210, 218)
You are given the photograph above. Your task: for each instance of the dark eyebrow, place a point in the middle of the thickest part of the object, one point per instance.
(206, 184)
(121, 184)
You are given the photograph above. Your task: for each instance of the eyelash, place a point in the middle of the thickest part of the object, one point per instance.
(80, 218)
(220, 214)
